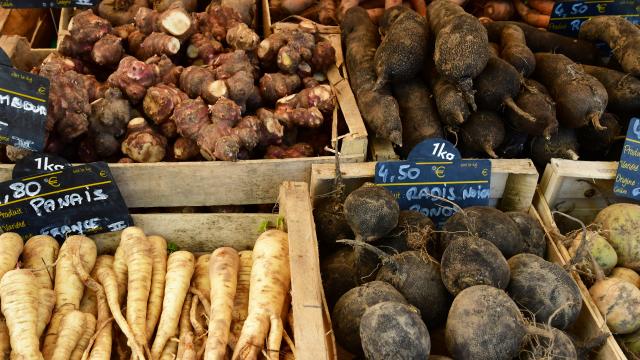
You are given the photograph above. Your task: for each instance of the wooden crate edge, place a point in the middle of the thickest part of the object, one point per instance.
(611, 349)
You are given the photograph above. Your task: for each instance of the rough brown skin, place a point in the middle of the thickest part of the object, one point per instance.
(343, 270)
(160, 101)
(185, 149)
(580, 98)
(371, 212)
(415, 231)
(597, 144)
(497, 86)
(198, 81)
(242, 37)
(142, 143)
(327, 14)
(563, 145)
(378, 108)
(621, 35)
(452, 107)
(86, 27)
(107, 51)
(348, 311)
(534, 100)
(545, 289)
(623, 90)
(469, 261)
(420, 118)
(227, 64)
(133, 77)
(245, 8)
(239, 88)
(174, 21)
(107, 10)
(461, 47)
(69, 106)
(515, 50)
(539, 40)
(402, 52)
(217, 20)
(487, 223)
(559, 346)
(391, 329)
(277, 85)
(202, 50)
(324, 56)
(108, 122)
(408, 269)
(532, 233)
(190, 116)
(484, 324)
(498, 10)
(299, 150)
(483, 132)
(158, 44)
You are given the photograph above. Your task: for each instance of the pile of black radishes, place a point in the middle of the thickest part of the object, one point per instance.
(500, 89)
(396, 285)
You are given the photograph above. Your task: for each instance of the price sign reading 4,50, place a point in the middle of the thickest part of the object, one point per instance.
(434, 171)
(567, 16)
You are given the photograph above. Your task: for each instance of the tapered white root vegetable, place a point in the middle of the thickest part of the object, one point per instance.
(72, 327)
(184, 325)
(19, 294)
(11, 249)
(103, 339)
(5, 344)
(46, 303)
(201, 275)
(89, 304)
(39, 254)
(270, 282)
(241, 301)
(188, 342)
(107, 278)
(180, 267)
(159, 255)
(170, 350)
(137, 249)
(120, 269)
(198, 329)
(223, 274)
(85, 338)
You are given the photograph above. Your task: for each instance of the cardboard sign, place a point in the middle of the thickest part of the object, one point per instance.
(627, 182)
(568, 16)
(80, 199)
(47, 4)
(24, 101)
(434, 168)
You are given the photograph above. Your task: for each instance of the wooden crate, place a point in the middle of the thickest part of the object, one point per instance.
(590, 322)
(205, 232)
(513, 182)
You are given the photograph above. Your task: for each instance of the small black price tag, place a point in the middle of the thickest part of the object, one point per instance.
(38, 163)
(434, 168)
(80, 199)
(567, 16)
(627, 182)
(23, 108)
(18, 4)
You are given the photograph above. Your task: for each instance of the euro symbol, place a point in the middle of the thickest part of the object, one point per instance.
(41, 90)
(53, 181)
(103, 173)
(485, 172)
(601, 8)
(439, 171)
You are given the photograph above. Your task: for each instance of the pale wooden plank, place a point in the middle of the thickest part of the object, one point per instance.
(381, 149)
(306, 284)
(195, 232)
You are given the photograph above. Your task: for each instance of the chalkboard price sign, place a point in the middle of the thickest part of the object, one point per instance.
(24, 101)
(627, 182)
(80, 199)
(434, 168)
(567, 16)
(47, 4)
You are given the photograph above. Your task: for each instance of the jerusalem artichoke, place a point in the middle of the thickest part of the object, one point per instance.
(142, 143)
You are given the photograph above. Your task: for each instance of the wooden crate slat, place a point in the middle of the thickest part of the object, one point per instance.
(306, 285)
(590, 322)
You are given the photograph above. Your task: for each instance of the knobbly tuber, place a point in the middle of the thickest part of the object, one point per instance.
(197, 81)
(402, 52)
(241, 37)
(107, 51)
(185, 149)
(419, 115)
(108, 122)
(534, 100)
(379, 109)
(515, 50)
(142, 143)
(623, 90)
(133, 77)
(347, 314)
(158, 44)
(483, 132)
(452, 107)
(371, 212)
(277, 85)
(117, 16)
(160, 101)
(562, 145)
(622, 36)
(461, 46)
(245, 8)
(174, 21)
(298, 150)
(203, 49)
(470, 261)
(532, 233)
(390, 329)
(580, 98)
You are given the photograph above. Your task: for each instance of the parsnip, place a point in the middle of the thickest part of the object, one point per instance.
(19, 298)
